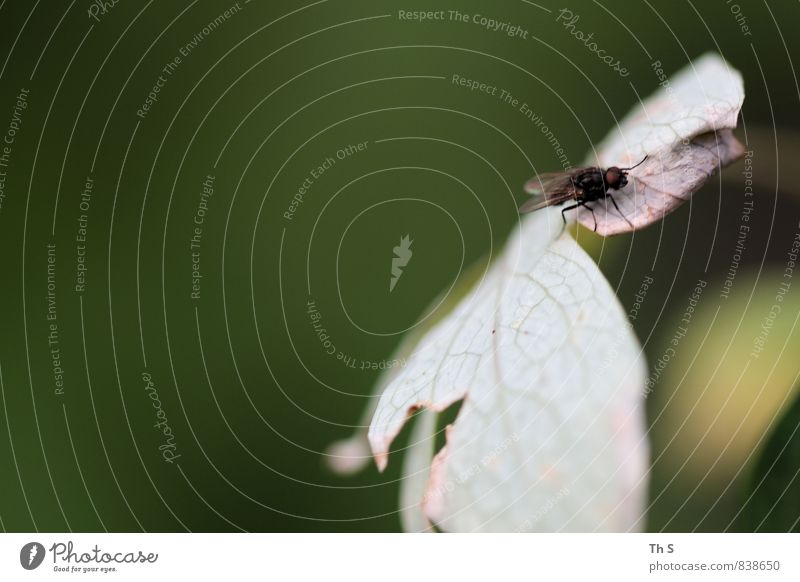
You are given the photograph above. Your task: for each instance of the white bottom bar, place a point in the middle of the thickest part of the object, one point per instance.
(400, 557)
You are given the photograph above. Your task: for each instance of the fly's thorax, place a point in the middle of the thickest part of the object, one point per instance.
(593, 184)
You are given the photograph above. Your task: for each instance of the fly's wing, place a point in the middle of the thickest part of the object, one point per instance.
(549, 189)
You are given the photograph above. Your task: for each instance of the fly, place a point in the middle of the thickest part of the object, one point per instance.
(580, 185)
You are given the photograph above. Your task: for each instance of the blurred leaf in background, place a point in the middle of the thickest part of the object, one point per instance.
(774, 501)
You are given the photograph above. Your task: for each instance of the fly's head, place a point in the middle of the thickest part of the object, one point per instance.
(616, 178)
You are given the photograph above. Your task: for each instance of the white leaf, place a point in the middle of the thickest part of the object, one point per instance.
(685, 129)
(416, 472)
(351, 455)
(551, 434)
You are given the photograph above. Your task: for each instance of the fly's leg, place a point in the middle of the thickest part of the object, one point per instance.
(573, 207)
(614, 202)
(578, 205)
(590, 209)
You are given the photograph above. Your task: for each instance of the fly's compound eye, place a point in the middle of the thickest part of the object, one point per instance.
(615, 178)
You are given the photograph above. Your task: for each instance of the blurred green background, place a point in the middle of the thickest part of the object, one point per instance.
(261, 96)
